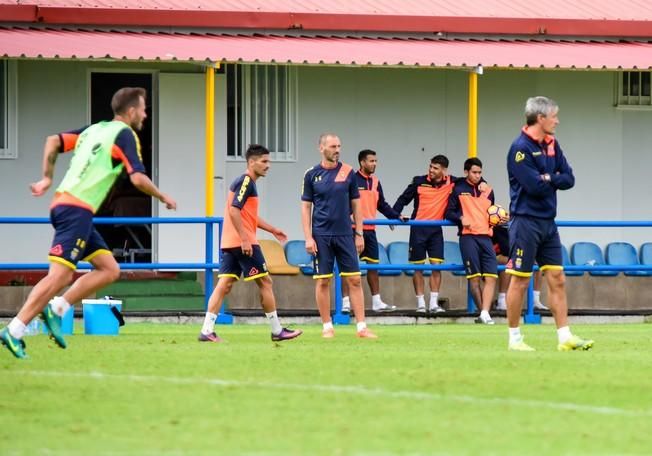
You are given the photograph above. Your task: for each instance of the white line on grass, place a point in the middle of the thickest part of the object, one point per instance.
(363, 390)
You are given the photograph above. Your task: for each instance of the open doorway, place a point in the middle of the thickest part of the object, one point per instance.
(128, 243)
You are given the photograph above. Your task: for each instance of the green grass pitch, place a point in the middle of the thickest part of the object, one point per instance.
(418, 390)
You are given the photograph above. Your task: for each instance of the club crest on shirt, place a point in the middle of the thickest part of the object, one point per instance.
(519, 157)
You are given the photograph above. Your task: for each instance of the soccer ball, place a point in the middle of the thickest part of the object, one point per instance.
(497, 215)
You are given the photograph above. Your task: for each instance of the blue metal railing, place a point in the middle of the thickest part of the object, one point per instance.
(208, 266)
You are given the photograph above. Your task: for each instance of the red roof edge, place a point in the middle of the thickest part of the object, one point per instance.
(320, 21)
(18, 13)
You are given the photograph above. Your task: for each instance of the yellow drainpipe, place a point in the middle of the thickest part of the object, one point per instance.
(473, 112)
(210, 137)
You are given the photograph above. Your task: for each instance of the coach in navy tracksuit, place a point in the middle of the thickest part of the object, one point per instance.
(537, 168)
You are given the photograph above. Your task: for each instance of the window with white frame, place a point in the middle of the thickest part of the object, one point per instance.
(261, 110)
(633, 89)
(8, 148)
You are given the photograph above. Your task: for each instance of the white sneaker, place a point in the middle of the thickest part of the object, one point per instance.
(540, 306)
(436, 309)
(346, 309)
(383, 307)
(484, 320)
(421, 309)
(500, 306)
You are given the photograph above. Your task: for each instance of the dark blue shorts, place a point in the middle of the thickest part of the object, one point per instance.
(478, 256)
(234, 263)
(426, 242)
(533, 240)
(330, 248)
(75, 238)
(370, 252)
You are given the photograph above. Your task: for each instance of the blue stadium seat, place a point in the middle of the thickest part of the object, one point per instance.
(295, 252)
(398, 253)
(588, 253)
(646, 253)
(566, 261)
(624, 254)
(384, 259)
(453, 256)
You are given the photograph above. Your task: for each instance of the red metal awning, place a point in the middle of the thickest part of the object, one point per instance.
(323, 50)
(623, 18)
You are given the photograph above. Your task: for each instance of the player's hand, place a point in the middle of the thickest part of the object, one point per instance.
(280, 235)
(464, 223)
(40, 187)
(311, 246)
(246, 247)
(483, 186)
(404, 218)
(359, 244)
(169, 202)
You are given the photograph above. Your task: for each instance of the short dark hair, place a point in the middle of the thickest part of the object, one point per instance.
(471, 162)
(127, 97)
(363, 154)
(255, 151)
(439, 160)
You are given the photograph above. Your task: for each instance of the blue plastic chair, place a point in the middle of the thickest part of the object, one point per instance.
(384, 259)
(398, 253)
(588, 253)
(646, 253)
(624, 254)
(295, 252)
(566, 261)
(453, 256)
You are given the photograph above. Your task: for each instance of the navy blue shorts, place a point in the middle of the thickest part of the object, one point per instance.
(426, 242)
(234, 263)
(330, 248)
(478, 256)
(75, 238)
(370, 252)
(533, 240)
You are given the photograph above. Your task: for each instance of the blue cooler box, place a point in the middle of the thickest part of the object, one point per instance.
(99, 319)
(66, 322)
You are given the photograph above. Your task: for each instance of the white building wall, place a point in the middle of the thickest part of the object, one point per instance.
(410, 115)
(407, 115)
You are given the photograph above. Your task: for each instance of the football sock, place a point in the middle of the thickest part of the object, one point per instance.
(346, 302)
(434, 299)
(376, 301)
(59, 305)
(420, 301)
(328, 326)
(485, 315)
(563, 334)
(209, 323)
(361, 325)
(501, 300)
(537, 297)
(515, 335)
(16, 328)
(274, 322)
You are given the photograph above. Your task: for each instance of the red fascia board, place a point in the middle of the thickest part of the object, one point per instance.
(340, 22)
(18, 13)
